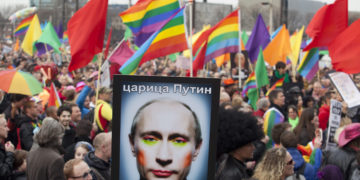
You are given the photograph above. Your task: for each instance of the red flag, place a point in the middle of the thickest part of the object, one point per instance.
(198, 63)
(327, 23)
(108, 44)
(54, 99)
(345, 50)
(86, 33)
(121, 53)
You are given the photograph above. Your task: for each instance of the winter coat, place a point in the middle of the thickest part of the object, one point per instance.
(27, 132)
(81, 99)
(230, 168)
(344, 158)
(45, 163)
(18, 175)
(6, 163)
(309, 171)
(99, 166)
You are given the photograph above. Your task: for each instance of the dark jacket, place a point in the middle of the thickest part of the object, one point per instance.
(309, 172)
(98, 165)
(70, 151)
(344, 158)
(230, 168)
(45, 163)
(18, 175)
(6, 163)
(13, 124)
(68, 138)
(26, 132)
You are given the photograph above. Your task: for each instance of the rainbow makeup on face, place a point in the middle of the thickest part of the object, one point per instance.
(150, 140)
(187, 161)
(179, 142)
(141, 158)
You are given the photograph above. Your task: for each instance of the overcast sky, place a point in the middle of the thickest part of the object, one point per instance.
(354, 5)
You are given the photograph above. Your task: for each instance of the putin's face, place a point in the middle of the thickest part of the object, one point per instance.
(164, 141)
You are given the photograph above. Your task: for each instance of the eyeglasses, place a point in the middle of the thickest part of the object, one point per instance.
(85, 175)
(290, 162)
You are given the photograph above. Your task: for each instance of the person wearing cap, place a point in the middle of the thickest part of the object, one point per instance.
(344, 156)
(103, 110)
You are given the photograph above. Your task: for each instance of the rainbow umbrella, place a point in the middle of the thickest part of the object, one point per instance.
(19, 82)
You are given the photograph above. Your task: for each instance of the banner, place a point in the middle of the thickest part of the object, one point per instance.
(334, 123)
(346, 87)
(165, 127)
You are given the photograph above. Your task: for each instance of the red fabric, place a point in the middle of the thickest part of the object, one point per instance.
(103, 122)
(121, 54)
(345, 50)
(198, 63)
(52, 97)
(18, 137)
(327, 23)
(86, 33)
(259, 113)
(324, 113)
(108, 44)
(114, 69)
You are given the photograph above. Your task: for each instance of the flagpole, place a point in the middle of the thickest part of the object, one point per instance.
(98, 82)
(240, 53)
(191, 26)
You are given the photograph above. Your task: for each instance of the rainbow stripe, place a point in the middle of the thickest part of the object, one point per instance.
(146, 16)
(65, 37)
(250, 83)
(19, 82)
(309, 64)
(271, 117)
(278, 84)
(23, 26)
(170, 38)
(54, 99)
(221, 39)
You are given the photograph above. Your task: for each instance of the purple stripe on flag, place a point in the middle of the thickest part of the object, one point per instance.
(312, 72)
(230, 49)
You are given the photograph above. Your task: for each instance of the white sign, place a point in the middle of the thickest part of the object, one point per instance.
(334, 123)
(346, 88)
(105, 75)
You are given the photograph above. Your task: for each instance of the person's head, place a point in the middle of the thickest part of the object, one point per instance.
(64, 114)
(292, 112)
(105, 94)
(277, 97)
(50, 134)
(30, 109)
(224, 97)
(350, 136)
(237, 102)
(278, 129)
(87, 102)
(276, 164)
(288, 139)
(3, 128)
(236, 133)
(102, 145)
(299, 102)
(309, 121)
(75, 112)
(20, 160)
(51, 111)
(76, 169)
(165, 138)
(280, 67)
(81, 150)
(263, 104)
(83, 128)
(317, 87)
(309, 102)
(69, 94)
(18, 99)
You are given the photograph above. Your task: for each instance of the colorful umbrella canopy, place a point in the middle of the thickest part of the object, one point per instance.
(19, 82)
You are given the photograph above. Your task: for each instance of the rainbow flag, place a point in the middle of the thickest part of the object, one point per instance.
(23, 26)
(309, 64)
(278, 84)
(54, 99)
(221, 39)
(146, 16)
(170, 38)
(250, 83)
(271, 117)
(65, 38)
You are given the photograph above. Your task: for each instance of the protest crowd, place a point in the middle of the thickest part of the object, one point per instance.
(274, 120)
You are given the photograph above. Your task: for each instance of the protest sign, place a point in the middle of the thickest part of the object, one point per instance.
(346, 88)
(334, 123)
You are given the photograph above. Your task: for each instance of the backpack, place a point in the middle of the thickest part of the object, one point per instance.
(299, 174)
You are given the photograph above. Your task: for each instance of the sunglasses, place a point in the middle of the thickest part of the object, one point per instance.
(85, 175)
(290, 162)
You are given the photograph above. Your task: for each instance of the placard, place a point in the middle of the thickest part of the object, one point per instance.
(346, 88)
(164, 127)
(334, 123)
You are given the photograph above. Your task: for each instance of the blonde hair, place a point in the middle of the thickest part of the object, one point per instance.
(69, 167)
(272, 166)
